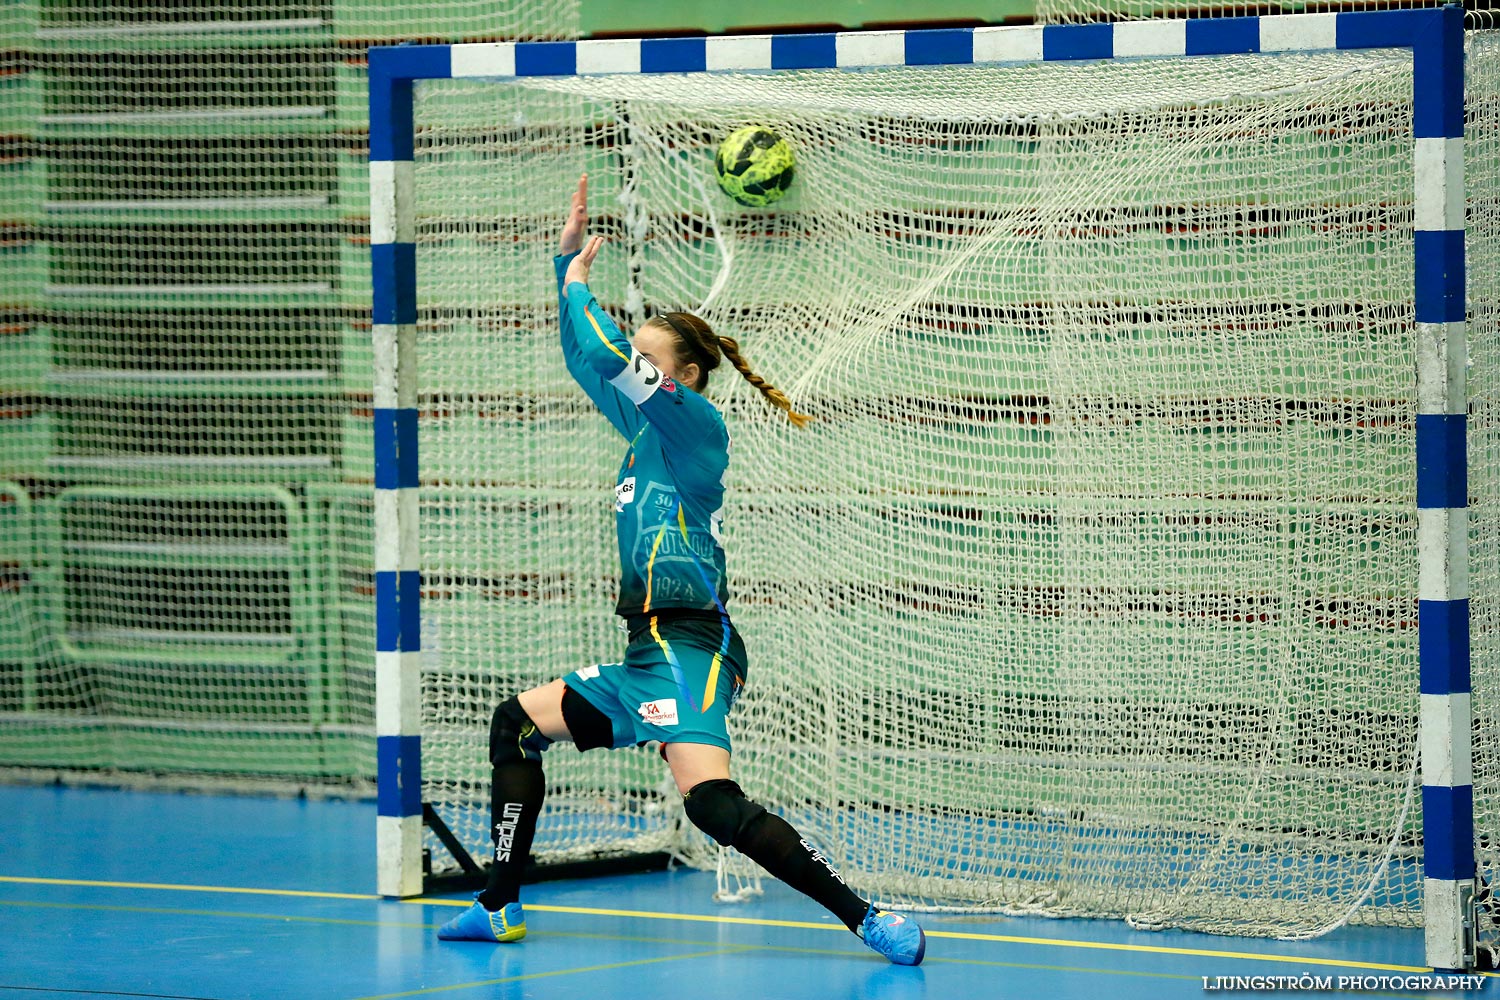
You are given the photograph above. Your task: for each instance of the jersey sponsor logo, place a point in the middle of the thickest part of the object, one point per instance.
(667, 385)
(624, 493)
(659, 550)
(662, 712)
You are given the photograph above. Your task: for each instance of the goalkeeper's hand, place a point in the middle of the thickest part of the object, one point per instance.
(578, 267)
(578, 219)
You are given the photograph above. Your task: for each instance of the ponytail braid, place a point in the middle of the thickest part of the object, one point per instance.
(777, 398)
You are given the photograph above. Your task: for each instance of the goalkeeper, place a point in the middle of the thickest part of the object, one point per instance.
(684, 662)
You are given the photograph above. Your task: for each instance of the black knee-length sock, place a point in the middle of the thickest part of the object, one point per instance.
(516, 795)
(772, 843)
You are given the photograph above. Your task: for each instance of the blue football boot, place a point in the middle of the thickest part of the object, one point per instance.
(478, 924)
(896, 937)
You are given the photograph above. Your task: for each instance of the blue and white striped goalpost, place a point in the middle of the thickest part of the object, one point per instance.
(1436, 40)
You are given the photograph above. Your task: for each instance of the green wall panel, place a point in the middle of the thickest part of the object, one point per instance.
(621, 17)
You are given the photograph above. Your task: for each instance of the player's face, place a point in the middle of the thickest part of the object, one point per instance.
(659, 347)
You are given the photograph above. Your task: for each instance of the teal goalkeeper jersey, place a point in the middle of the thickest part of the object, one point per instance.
(669, 498)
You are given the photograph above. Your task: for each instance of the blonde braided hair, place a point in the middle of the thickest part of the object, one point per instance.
(698, 344)
(776, 397)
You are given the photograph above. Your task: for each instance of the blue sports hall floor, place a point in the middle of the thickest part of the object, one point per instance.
(107, 893)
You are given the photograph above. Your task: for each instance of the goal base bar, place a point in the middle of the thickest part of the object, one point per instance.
(625, 864)
(472, 876)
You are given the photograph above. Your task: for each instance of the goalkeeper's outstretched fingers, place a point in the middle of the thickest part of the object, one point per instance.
(578, 219)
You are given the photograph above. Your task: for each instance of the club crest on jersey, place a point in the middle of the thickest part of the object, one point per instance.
(624, 493)
(659, 713)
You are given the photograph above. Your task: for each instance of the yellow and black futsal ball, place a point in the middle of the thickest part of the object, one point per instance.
(754, 166)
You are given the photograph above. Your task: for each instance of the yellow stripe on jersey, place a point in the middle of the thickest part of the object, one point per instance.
(713, 682)
(651, 565)
(607, 342)
(678, 674)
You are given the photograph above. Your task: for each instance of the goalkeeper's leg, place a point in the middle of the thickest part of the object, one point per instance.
(718, 807)
(517, 741)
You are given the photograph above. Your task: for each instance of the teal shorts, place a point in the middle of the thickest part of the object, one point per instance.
(678, 682)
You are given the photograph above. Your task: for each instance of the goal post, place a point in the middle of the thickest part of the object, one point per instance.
(1064, 493)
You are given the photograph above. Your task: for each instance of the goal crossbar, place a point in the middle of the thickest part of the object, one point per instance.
(1435, 38)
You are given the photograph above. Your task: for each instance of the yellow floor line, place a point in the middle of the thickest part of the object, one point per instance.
(713, 949)
(172, 887)
(953, 935)
(747, 921)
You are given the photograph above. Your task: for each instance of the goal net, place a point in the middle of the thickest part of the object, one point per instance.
(1091, 590)
(1482, 168)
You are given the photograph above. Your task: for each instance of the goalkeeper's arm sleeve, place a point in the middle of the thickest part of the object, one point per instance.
(617, 410)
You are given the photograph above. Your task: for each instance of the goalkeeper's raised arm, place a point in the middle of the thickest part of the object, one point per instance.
(650, 372)
(592, 341)
(619, 411)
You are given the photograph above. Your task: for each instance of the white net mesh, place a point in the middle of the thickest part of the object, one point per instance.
(1482, 178)
(1085, 11)
(1092, 589)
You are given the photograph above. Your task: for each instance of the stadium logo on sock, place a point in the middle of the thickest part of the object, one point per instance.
(505, 830)
(817, 855)
(660, 713)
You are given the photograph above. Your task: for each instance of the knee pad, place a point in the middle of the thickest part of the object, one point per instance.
(513, 736)
(719, 808)
(589, 727)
